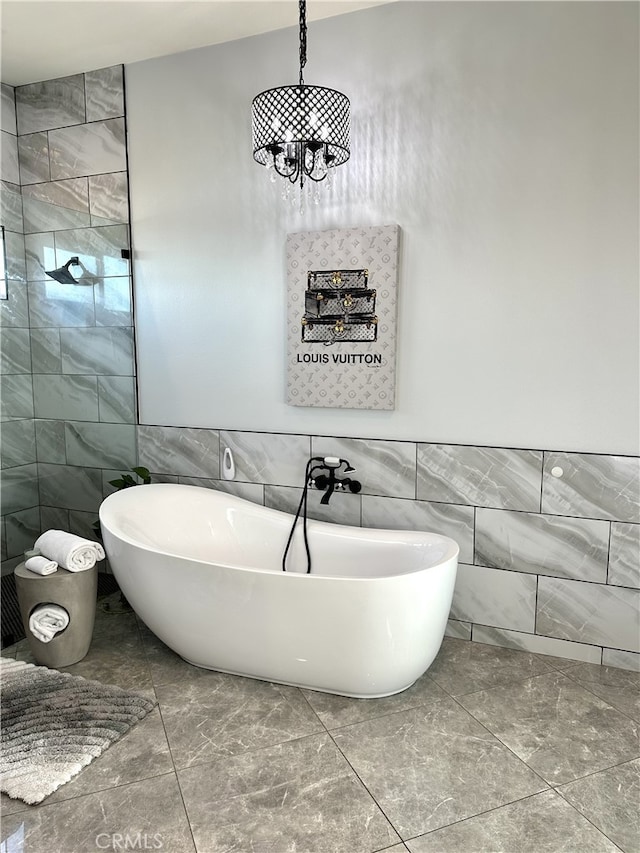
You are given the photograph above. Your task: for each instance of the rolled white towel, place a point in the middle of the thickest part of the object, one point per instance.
(41, 565)
(69, 551)
(47, 620)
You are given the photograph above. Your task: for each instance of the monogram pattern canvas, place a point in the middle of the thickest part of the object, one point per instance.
(344, 375)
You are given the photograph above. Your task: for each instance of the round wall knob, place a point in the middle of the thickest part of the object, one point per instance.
(557, 471)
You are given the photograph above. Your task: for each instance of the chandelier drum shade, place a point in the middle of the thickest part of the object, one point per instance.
(301, 131)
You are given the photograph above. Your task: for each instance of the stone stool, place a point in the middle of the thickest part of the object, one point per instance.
(77, 593)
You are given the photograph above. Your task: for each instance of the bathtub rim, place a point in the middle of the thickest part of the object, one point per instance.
(452, 549)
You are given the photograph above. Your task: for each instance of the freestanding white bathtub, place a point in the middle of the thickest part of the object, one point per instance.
(203, 570)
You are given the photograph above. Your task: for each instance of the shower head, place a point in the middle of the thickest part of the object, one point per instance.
(62, 275)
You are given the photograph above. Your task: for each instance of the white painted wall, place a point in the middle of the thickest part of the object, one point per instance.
(501, 137)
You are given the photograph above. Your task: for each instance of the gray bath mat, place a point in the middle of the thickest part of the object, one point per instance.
(54, 724)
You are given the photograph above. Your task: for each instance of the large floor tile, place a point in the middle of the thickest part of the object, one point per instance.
(434, 765)
(153, 809)
(618, 687)
(335, 711)
(10, 651)
(214, 714)
(561, 730)
(9, 806)
(116, 656)
(165, 666)
(142, 753)
(111, 661)
(23, 652)
(611, 800)
(114, 626)
(297, 797)
(541, 824)
(463, 667)
(260, 773)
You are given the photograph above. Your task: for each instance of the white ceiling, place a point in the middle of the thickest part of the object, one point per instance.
(44, 39)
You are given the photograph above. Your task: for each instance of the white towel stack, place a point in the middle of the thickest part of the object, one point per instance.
(41, 565)
(69, 551)
(47, 620)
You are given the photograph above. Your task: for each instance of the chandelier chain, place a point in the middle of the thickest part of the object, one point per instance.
(303, 37)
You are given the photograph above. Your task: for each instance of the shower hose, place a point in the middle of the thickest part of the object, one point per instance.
(302, 510)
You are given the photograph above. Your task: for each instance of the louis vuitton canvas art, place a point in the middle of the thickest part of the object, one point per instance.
(341, 317)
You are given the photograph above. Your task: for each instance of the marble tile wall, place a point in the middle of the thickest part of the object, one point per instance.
(68, 356)
(18, 472)
(562, 581)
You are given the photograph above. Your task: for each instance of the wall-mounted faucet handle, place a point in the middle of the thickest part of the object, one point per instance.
(332, 462)
(328, 482)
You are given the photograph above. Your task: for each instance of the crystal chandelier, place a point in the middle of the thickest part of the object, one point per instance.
(301, 131)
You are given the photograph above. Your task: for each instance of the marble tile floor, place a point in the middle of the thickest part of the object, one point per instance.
(492, 750)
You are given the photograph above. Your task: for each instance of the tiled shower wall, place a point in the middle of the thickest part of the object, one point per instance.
(548, 563)
(73, 344)
(18, 478)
